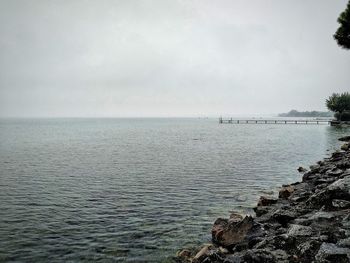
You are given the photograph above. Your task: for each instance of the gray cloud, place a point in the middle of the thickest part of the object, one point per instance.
(168, 57)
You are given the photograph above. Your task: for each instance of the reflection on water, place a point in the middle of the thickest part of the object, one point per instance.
(137, 189)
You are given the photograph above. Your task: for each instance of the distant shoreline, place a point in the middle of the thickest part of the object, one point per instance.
(307, 114)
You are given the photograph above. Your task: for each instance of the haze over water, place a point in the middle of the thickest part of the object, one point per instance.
(134, 190)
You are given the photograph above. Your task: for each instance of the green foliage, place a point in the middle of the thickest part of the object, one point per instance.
(342, 36)
(339, 103)
(345, 116)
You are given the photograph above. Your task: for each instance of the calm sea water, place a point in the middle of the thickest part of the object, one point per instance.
(136, 190)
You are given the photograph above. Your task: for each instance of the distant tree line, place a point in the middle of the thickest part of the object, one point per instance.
(295, 113)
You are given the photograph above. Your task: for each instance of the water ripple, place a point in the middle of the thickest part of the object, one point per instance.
(115, 190)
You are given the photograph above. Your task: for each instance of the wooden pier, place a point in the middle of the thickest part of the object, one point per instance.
(271, 121)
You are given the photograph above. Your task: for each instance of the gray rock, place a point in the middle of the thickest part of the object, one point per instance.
(346, 173)
(322, 216)
(284, 215)
(266, 256)
(261, 210)
(255, 235)
(266, 201)
(233, 259)
(315, 168)
(259, 255)
(337, 155)
(299, 230)
(337, 203)
(335, 172)
(340, 189)
(333, 253)
(325, 181)
(308, 249)
(301, 169)
(344, 242)
(341, 185)
(317, 220)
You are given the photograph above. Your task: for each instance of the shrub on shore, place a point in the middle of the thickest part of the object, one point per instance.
(340, 104)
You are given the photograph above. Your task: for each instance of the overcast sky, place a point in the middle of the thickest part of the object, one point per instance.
(168, 57)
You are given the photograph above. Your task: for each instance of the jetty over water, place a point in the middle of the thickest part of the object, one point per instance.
(273, 121)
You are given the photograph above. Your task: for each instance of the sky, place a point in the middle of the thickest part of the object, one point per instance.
(168, 58)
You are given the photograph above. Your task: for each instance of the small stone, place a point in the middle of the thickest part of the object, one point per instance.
(301, 169)
(223, 250)
(345, 147)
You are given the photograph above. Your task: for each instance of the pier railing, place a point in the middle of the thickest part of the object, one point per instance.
(271, 121)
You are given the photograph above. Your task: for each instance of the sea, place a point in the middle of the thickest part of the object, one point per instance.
(138, 189)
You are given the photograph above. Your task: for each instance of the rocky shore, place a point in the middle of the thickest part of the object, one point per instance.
(308, 222)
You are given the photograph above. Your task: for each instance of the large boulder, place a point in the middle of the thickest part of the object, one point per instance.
(341, 186)
(227, 232)
(340, 189)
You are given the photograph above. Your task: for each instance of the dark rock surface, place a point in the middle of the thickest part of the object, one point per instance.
(308, 222)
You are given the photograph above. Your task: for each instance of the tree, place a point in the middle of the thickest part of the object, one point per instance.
(339, 103)
(342, 36)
